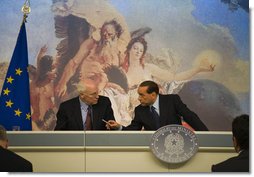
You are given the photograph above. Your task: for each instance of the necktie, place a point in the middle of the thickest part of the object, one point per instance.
(88, 122)
(155, 116)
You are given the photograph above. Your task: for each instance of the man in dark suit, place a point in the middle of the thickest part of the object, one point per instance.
(85, 112)
(9, 161)
(240, 163)
(156, 110)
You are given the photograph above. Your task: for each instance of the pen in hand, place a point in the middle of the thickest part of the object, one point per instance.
(105, 121)
(107, 124)
(111, 124)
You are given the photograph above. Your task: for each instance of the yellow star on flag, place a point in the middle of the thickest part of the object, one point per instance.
(9, 103)
(17, 112)
(9, 80)
(6, 91)
(28, 116)
(18, 71)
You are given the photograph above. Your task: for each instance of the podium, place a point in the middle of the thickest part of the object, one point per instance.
(112, 151)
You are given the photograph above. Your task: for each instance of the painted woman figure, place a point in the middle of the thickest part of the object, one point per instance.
(137, 70)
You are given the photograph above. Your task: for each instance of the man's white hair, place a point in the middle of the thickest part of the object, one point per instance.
(81, 88)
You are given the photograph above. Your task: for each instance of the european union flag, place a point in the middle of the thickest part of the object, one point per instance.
(15, 98)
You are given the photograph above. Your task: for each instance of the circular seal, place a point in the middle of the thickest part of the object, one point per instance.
(174, 144)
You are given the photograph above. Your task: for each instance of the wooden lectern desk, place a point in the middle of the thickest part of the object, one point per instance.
(112, 151)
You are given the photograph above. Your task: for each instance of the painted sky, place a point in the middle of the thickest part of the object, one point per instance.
(188, 27)
(209, 12)
(205, 12)
(40, 27)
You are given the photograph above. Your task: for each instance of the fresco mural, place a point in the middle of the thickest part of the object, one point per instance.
(195, 48)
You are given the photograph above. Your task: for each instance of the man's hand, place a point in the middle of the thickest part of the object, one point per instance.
(112, 125)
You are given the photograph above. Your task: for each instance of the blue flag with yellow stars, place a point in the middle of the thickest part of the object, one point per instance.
(15, 98)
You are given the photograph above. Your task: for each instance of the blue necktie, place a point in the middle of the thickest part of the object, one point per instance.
(155, 116)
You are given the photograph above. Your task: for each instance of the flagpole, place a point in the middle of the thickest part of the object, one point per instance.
(26, 10)
(15, 108)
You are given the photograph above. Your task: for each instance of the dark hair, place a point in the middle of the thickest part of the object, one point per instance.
(126, 62)
(152, 87)
(139, 39)
(45, 65)
(118, 27)
(240, 130)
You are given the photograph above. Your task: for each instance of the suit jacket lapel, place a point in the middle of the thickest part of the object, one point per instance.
(163, 111)
(77, 114)
(244, 153)
(148, 118)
